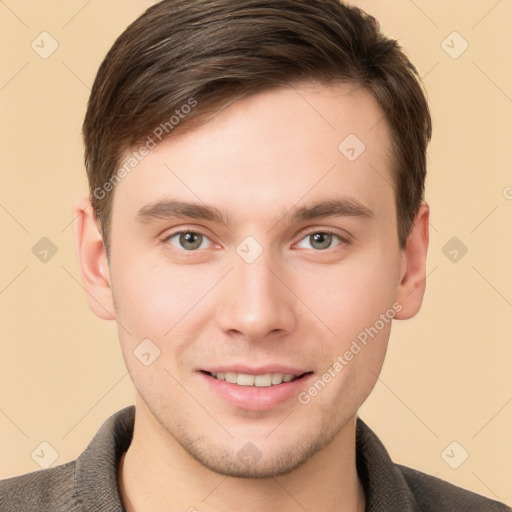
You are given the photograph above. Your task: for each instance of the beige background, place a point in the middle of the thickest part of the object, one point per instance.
(447, 376)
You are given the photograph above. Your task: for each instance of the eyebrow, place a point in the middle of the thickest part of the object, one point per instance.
(169, 208)
(340, 207)
(179, 209)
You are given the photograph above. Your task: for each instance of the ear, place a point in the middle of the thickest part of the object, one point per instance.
(412, 286)
(92, 259)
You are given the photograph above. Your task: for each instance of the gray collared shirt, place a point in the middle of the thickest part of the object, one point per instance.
(89, 483)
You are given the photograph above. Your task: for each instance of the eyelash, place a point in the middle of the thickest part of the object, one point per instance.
(343, 240)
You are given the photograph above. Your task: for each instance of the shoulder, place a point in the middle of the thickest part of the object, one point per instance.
(433, 494)
(45, 490)
(88, 483)
(391, 486)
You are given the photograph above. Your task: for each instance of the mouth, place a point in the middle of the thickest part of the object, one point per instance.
(256, 389)
(264, 380)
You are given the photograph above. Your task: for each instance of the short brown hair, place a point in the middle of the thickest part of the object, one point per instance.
(205, 54)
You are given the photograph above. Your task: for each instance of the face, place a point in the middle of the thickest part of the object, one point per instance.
(256, 253)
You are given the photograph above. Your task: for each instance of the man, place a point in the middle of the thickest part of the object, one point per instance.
(255, 224)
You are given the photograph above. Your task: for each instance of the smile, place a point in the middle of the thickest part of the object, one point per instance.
(260, 381)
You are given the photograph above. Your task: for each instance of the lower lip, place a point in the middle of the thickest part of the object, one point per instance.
(254, 398)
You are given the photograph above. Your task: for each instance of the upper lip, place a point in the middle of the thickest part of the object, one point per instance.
(260, 370)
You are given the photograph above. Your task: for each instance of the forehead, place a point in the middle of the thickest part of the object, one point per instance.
(272, 150)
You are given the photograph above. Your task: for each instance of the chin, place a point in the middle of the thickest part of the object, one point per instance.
(259, 458)
(251, 462)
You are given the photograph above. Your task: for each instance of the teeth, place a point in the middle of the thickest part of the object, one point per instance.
(260, 381)
(263, 381)
(277, 378)
(245, 380)
(230, 377)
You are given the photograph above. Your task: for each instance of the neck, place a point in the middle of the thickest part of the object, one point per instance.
(157, 474)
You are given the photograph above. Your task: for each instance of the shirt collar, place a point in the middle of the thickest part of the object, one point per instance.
(97, 467)
(384, 485)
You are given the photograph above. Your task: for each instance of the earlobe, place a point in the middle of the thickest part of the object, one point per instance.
(92, 259)
(412, 286)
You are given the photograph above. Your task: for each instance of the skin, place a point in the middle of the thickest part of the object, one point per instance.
(296, 304)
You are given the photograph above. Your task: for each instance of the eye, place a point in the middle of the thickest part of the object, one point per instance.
(188, 240)
(320, 240)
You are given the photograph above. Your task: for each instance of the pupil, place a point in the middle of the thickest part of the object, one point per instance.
(190, 240)
(323, 240)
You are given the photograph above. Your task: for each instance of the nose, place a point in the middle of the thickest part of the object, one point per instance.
(255, 303)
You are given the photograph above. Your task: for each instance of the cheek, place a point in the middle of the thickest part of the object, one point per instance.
(349, 374)
(351, 295)
(151, 298)
(164, 304)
